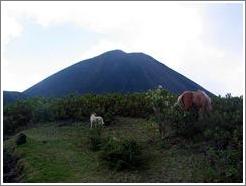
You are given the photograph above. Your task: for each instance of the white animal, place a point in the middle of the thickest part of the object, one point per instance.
(96, 120)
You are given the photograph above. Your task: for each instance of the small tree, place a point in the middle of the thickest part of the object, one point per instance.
(162, 105)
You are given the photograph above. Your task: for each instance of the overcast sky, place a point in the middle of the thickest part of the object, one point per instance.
(203, 41)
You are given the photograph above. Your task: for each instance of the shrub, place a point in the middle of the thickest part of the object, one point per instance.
(184, 123)
(42, 113)
(218, 137)
(226, 164)
(95, 139)
(20, 139)
(121, 155)
(161, 102)
(16, 117)
(109, 118)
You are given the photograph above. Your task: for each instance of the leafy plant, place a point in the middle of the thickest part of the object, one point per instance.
(227, 165)
(121, 155)
(95, 139)
(16, 117)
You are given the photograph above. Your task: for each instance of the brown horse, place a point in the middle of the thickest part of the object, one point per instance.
(198, 99)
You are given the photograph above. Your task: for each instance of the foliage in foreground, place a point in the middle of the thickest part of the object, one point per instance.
(221, 133)
(115, 153)
(121, 154)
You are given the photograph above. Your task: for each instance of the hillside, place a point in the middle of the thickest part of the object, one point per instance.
(12, 96)
(113, 71)
(61, 147)
(58, 152)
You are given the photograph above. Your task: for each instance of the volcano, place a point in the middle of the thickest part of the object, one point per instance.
(113, 72)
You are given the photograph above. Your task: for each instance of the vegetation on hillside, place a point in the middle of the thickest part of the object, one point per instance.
(215, 141)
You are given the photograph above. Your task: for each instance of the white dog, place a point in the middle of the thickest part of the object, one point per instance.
(96, 120)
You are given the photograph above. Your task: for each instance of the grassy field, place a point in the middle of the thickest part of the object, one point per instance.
(58, 152)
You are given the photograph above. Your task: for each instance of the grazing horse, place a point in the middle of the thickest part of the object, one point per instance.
(198, 99)
(96, 120)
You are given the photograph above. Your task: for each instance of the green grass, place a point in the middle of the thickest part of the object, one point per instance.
(60, 153)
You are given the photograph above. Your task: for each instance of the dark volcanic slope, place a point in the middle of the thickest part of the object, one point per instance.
(114, 71)
(12, 96)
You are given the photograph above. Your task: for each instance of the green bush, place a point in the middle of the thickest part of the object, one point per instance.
(218, 137)
(109, 118)
(95, 139)
(43, 113)
(16, 117)
(185, 124)
(20, 139)
(120, 155)
(227, 165)
(161, 103)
